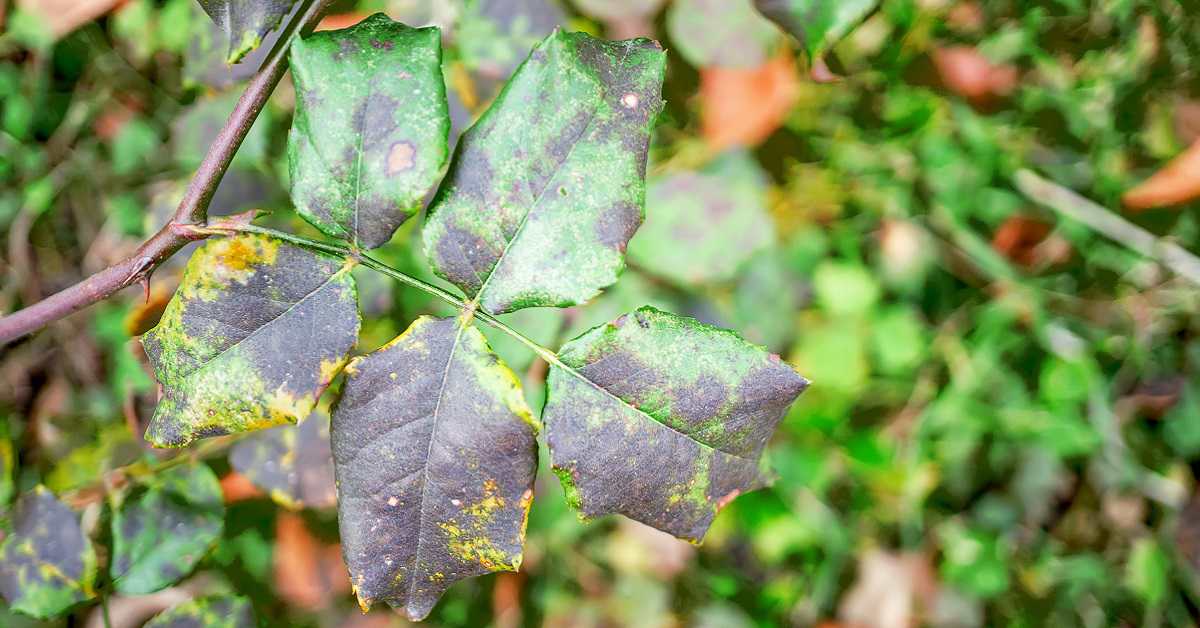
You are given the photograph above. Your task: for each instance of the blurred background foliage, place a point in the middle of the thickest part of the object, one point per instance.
(1004, 425)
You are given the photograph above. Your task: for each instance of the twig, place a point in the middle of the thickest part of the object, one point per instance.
(192, 210)
(1072, 205)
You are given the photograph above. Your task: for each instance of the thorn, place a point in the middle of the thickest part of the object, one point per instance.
(145, 281)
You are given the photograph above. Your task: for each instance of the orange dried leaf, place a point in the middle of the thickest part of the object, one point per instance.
(237, 487)
(969, 74)
(1178, 182)
(744, 107)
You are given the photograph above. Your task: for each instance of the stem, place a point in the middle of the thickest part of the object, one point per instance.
(1070, 204)
(192, 210)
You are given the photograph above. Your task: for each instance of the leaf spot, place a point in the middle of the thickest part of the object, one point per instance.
(400, 158)
(630, 100)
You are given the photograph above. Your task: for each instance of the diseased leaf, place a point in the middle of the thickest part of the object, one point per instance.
(818, 24)
(702, 226)
(46, 564)
(368, 141)
(256, 331)
(547, 188)
(435, 457)
(162, 533)
(246, 23)
(207, 612)
(724, 33)
(293, 464)
(663, 419)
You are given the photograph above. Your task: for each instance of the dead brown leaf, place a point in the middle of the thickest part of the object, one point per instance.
(1178, 182)
(744, 107)
(64, 16)
(308, 573)
(966, 72)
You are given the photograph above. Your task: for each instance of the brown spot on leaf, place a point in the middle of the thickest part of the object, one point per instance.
(400, 158)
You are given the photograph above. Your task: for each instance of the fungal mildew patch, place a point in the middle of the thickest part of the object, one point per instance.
(434, 450)
(548, 186)
(369, 138)
(664, 419)
(256, 331)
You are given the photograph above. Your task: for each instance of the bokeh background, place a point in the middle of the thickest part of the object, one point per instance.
(1005, 418)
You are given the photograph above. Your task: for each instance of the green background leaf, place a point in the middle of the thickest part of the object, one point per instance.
(246, 22)
(207, 612)
(46, 563)
(818, 24)
(159, 535)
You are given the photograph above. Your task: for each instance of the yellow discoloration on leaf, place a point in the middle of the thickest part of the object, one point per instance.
(470, 543)
(226, 261)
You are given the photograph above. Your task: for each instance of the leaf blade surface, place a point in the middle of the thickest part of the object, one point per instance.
(244, 302)
(369, 139)
(663, 419)
(47, 564)
(548, 186)
(435, 456)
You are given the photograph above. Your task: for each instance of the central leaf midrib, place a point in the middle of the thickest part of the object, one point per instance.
(541, 194)
(416, 562)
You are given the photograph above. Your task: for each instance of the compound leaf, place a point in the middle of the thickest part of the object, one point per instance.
(548, 187)
(207, 612)
(369, 139)
(160, 535)
(663, 419)
(256, 331)
(818, 24)
(292, 463)
(435, 457)
(701, 226)
(46, 564)
(246, 23)
(722, 33)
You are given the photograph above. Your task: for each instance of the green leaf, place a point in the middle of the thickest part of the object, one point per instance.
(723, 33)
(663, 419)
(435, 456)
(491, 37)
(8, 464)
(1146, 573)
(368, 141)
(548, 186)
(293, 464)
(256, 331)
(162, 533)
(207, 612)
(46, 564)
(246, 22)
(845, 289)
(702, 226)
(818, 24)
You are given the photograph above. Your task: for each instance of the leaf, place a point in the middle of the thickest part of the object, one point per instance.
(492, 36)
(207, 612)
(8, 464)
(967, 72)
(1148, 571)
(548, 186)
(1177, 183)
(246, 23)
(161, 534)
(663, 419)
(701, 226)
(435, 456)
(724, 33)
(46, 564)
(293, 464)
(256, 331)
(368, 141)
(743, 107)
(607, 10)
(817, 24)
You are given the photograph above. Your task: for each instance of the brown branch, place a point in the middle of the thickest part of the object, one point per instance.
(192, 210)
